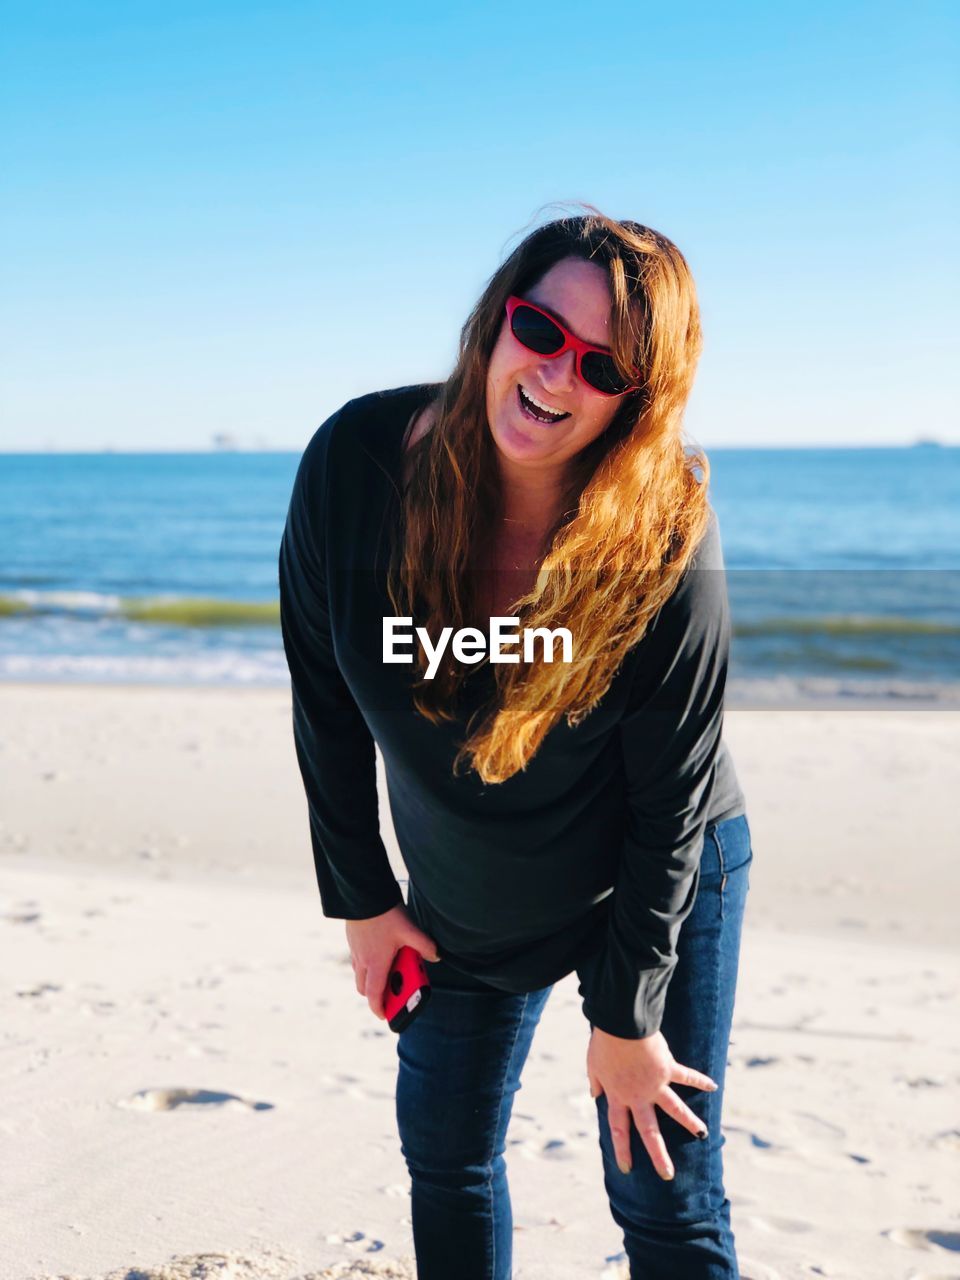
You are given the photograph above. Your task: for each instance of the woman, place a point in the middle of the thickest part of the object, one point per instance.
(562, 815)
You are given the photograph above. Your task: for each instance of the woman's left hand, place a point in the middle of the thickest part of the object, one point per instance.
(635, 1075)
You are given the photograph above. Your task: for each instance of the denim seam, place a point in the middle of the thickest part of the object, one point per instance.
(718, 841)
(503, 1085)
(724, 854)
(716, 975)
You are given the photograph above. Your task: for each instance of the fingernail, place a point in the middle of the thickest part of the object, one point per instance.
(667, 1175)
(624, 1168)
(713, 1086)
(704, 1133)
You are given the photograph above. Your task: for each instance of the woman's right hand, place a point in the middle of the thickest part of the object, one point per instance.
(635, 1074)
(373, 944)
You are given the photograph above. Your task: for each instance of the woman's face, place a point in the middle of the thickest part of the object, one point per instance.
(578, 294)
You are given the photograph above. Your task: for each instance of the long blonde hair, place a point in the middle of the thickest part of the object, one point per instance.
(637, 509)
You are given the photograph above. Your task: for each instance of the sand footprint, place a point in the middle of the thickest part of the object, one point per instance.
(169, 1099)
(761, 1144)
(932, 1240)
(97, 1008)
(552, 1149)
(341, 1082)
(948, 1140)
(817, 1127)
(352, 1087)
(559, 1149)
(356, 1240)
(617, 1268)
(775, 1225)
(39, 990)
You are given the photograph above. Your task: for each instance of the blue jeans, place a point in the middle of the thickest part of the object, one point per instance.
(459, 1067)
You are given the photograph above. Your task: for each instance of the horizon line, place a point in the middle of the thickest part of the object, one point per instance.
(154, 450)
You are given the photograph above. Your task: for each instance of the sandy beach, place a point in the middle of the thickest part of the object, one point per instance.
(193, 1088)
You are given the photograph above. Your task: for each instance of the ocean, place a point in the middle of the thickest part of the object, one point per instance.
(843, 570)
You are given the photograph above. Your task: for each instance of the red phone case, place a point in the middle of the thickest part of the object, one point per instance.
(407, 990)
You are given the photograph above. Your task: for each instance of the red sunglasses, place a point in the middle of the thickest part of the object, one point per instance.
(541, 332)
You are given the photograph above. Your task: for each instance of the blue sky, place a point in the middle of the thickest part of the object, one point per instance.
(233, 217)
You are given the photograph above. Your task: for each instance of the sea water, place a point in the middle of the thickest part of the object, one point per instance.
(843, 569)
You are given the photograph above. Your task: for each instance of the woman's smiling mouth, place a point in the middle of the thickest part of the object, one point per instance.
(536, 411)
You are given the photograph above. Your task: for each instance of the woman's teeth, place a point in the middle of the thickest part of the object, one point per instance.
(534, 409)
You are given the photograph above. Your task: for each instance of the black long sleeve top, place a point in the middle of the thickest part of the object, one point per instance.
(592, 850)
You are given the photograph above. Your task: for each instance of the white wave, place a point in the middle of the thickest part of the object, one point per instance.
(70, 601)
(764, 691)
(225, 667)
(268, 667)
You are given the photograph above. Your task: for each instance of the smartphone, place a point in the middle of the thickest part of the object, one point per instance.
(407, 990)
